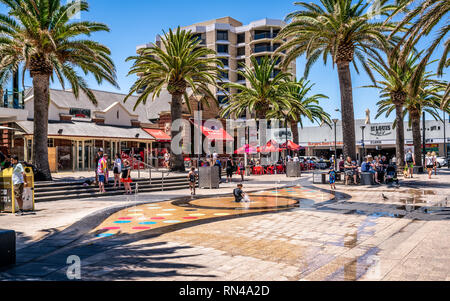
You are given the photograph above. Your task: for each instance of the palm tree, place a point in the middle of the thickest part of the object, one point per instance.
(177, 65)
(428, 13)
(427, 99)
(343, 30)
(305, 106)
(395, 78)
(41, 35)
(267, 90)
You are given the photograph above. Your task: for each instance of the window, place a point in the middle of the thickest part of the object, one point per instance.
(222, 35)
(241, 51)
(241, 63)
(241, 38)
(82, 113)
(51, 142)
(240, 77)
(118, 114)
(222, 48)
(224, 61)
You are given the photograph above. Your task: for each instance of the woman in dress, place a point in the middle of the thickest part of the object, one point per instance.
(126, 177)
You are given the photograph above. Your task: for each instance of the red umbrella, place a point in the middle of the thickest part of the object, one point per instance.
(292, 146)
(271, 147)
(247, 149)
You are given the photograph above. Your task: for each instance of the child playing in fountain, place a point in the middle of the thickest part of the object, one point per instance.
(332, 176)
(239, 194)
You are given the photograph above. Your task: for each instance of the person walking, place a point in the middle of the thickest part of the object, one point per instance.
(230, 170)
(117, 170)
(126, 177)
(241, 169)
(433, 154)
(218, 164)
(429, 162)
(192, 176)
(19, 181)
(410, 163)
(332, 177)
(102, 171)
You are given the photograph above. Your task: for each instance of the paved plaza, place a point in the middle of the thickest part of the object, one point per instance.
(291, 230)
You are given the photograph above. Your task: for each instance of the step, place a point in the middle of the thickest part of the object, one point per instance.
(93, 189)
(111, 193)
(80, 187)
(80, 182)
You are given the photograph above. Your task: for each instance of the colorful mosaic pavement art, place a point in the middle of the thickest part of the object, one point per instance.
(152, 216)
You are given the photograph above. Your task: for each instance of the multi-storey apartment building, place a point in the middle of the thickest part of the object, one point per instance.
(235, 44)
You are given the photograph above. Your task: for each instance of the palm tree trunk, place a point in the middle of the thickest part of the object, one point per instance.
(348, 115)
(41, 83)
(177, 161)
(400, 136)
(294, 129)
(417, 137)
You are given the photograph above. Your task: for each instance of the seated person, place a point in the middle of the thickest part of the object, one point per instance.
(238, 193)
(365, 166)
(373, 168)
(391, 175)
(349, 168)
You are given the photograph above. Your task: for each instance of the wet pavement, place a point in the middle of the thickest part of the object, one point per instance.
(303, 232)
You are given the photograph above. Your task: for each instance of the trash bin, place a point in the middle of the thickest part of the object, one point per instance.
(7, 200)
(367, 178)
(293, 169)
(208, 177)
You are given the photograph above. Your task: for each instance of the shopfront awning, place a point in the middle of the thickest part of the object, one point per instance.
(159, 135)
(214, 134)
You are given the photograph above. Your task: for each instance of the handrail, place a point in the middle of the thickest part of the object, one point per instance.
(150, 167)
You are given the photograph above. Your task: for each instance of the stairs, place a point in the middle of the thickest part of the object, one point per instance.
(56, 191)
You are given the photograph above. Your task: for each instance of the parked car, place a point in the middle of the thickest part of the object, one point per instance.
(441, 161)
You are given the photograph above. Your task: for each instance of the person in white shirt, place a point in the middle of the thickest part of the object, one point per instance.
(19, 181)
(429, 162)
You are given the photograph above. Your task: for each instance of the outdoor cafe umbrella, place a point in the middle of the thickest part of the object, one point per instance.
(271, 147)
(247, 149)
(292, 146)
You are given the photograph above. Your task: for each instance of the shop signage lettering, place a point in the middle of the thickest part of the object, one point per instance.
(380, 130)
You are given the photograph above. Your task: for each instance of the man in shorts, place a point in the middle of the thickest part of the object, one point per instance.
(19, 181)
(410, 162)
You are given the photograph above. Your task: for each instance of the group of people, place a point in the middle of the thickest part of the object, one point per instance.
(379, 166)
(121, 171)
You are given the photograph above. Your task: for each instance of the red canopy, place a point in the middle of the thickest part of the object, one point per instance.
(214, 134)
(271, 147)
(247, 149)
(292, 146)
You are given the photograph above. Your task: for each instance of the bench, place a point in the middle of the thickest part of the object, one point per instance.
(7, 247)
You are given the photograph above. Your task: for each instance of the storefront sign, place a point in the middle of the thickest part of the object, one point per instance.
(380, 130)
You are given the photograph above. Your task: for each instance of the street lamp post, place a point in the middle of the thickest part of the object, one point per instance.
(424, 142)
(199, 135)
(335, 121)
(363, 146)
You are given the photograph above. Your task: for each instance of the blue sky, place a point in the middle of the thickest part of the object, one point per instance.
(136, 22)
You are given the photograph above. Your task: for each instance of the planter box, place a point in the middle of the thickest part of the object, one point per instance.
(7, 247)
